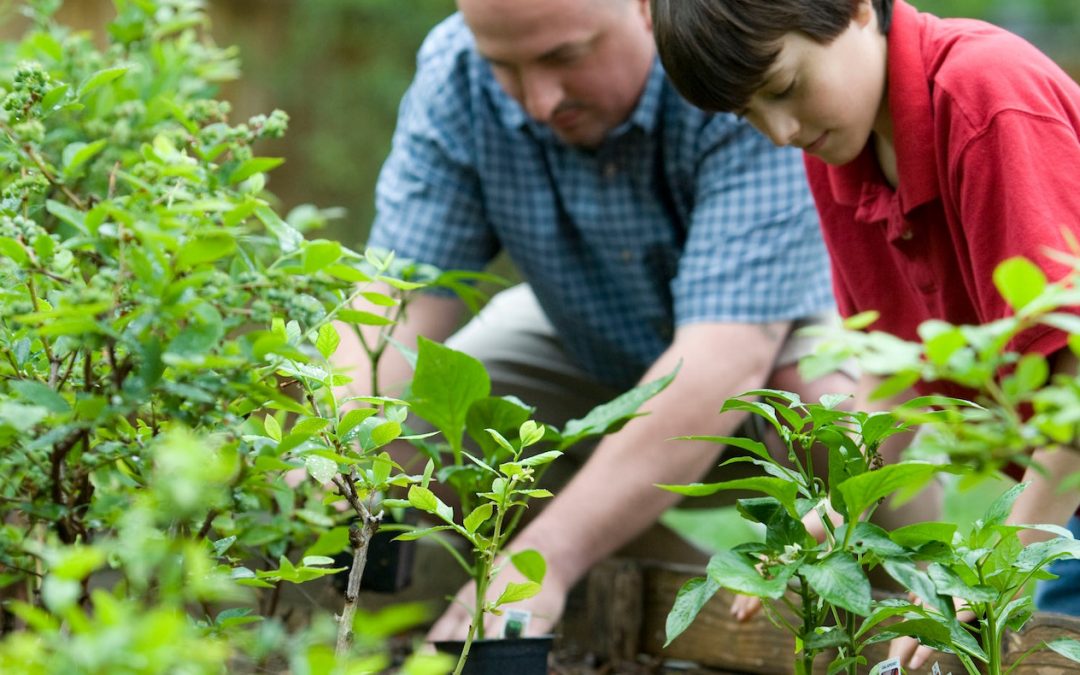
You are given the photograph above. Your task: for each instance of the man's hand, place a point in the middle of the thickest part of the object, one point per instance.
(546, 608)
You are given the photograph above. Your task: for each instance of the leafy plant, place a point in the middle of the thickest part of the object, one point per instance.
(983, 571)
(832, 602)
(824, 584)
(164, 359)
(451, 391)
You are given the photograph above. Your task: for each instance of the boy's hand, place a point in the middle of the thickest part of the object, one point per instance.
(744, 607)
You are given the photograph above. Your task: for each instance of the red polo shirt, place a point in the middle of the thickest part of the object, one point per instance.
(988, 154)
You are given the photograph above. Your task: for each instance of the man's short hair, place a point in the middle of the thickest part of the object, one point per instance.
(717, 52)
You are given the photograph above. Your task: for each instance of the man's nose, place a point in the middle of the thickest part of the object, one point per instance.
(541, 94)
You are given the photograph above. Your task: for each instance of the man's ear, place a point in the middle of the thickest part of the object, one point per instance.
(645, 7)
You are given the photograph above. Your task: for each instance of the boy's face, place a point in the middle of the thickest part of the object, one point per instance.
(825, 99)
(577, 66)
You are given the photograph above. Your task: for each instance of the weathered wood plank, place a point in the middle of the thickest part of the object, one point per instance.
(716, 640)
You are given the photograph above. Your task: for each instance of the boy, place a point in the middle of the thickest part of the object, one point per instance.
(926, 143)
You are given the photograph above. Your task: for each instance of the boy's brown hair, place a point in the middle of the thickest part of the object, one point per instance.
(717, 52)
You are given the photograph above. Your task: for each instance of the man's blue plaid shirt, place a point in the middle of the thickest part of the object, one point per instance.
(680, 217)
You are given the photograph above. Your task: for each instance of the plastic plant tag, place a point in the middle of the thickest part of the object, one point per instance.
(517, 620)
(887, 667)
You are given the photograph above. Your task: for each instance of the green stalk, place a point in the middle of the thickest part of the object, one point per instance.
(483, 580)
(805, 663)
(990, 639)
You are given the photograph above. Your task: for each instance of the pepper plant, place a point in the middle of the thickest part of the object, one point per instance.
(494, 482)
(824, 584)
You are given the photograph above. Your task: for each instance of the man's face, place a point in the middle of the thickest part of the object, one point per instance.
(825, 99)
(577, 66)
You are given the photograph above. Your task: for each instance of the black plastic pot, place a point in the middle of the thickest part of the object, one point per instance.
(516, 656)
(389, 563)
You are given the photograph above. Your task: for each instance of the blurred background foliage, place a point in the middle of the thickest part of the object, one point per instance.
(339, 68)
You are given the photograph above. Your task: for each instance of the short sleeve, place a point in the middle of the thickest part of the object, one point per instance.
(428, 197)
(754, 251)
(1019, 195)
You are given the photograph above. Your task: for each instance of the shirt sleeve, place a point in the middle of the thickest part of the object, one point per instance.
(1018, 196)
(754, 251)
(428, 199)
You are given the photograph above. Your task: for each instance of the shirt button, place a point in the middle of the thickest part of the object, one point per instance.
(610, 170)
(627, 255)
(906, 235)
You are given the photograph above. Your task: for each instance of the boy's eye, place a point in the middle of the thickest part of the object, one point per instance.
(786, 92)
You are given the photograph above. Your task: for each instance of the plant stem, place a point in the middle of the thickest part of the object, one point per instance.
(991, 642)
(359, 537)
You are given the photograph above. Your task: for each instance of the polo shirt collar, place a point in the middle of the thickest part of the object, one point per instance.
(913, 124)
(645, 114)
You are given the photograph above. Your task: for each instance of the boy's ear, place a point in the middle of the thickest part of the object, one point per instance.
(864, 13)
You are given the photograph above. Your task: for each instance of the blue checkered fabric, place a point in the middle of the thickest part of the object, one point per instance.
(679, 217)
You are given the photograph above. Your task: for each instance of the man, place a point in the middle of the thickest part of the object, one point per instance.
(649, 233)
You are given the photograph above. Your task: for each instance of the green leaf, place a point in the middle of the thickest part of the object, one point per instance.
(754, 447)
(919, 583)
(14, 250)
(1042, 553)
(330, 542)
(320, 254)
(77, 154)
(690, 600)
(100, 79)
(346, 273)
(205, 248)
(895, 385)
(76, 219)
(37, 393)
(949, 583)
(531, 565)
(501, 413)
(500, 440)
(363, 318)
(273, 429)
(735, 572)
(609, 417)
(288, 237)
(530, 433)
(320, 468)
(869, 538)
(1067, 647)
(50, 100)
(541, 459)
(914, 536)
(516, 592)
(425, 500)
(384, 433)
(351, 420)
(78, 562)
(1001, 507)
(252, 166)
(861, 491)
(479, 516)
(840, 580)
(780, 489)
(328, 340)
(446, 384)
(1019, 281)
(861, 321)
